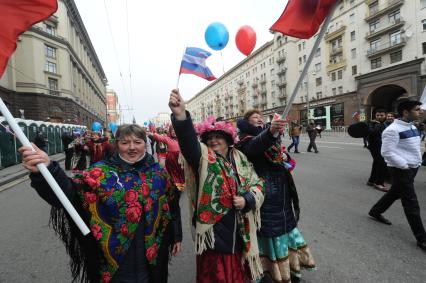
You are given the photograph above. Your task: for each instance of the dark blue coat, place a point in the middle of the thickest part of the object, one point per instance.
(281, 201)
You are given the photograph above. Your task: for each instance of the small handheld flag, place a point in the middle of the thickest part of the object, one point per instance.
(194, 62)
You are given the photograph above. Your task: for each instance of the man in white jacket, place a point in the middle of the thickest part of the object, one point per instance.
(401, 151)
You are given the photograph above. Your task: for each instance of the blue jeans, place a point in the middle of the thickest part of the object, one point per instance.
(295, 143)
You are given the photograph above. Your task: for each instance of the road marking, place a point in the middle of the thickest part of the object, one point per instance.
(13, 183)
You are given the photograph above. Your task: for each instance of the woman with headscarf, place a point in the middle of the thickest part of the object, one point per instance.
(128, 204)
(283, 249)
(225, 196)
(172, 157)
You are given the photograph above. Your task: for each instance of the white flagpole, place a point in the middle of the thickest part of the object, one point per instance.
(177, 83)
(309, 61)
(44, 171)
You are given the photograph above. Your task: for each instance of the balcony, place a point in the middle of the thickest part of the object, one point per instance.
(263, 92)
(54, 92)
(255, 103)
(282, 83)
(280, 59)
(263, 81)
(384, 9)
(254, 84)
(336, 65)
(385, 48)
(282, 95)
(240, 82)
(336, 50)
(395, 24)
(329, 36)
(282, 71)
(264, 102)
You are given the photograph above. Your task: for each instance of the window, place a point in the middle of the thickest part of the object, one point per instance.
(50, 29)
(424, 24)
(50, 52)
(376, 63)
(300, 60)
(374, 45)
(300, 47)
(395, 17)
(352, 35)
(396, 56)
(422, 4)
(318, 53)
(304, 58)
(318, 67)
(352, 18)
(354, 70)
(318, 81)
(395, 38)
(272, 73)
(333, 76)
(340, 89)
(424, 47)
(304, 44)
(374, 25)
(373, 8)
(339, 74)
(353, 53)
(333, 91)
(319, 95)
(50, 67)
(53, 86)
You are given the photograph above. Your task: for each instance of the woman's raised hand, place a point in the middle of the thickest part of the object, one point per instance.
(177, 105)
(31, 158)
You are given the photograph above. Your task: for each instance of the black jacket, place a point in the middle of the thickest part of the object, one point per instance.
(227, 239)
(375, 130)
(281, 197)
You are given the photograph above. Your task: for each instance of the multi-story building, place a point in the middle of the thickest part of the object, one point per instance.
(113, 107)
(372, 54)
(55, 74)
(162, 119)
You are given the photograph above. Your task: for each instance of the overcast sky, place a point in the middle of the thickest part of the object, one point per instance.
(159, 31)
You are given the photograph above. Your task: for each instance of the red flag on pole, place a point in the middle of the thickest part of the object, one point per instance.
(17, 16)
(302, 18)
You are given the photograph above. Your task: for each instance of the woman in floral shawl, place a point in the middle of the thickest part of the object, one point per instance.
(127, 202)
(225, 196)
(283, 249)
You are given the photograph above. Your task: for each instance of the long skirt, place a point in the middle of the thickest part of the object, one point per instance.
(284, 256)
(213, 267)
(175, 170)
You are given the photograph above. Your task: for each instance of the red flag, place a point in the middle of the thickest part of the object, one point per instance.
(17, 16)
(302, 18)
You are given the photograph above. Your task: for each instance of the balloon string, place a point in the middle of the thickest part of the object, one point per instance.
(223, 63)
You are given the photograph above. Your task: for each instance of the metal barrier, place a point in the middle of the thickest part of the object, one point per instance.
(52, 131)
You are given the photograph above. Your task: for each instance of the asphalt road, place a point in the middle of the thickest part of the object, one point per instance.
(347, 245)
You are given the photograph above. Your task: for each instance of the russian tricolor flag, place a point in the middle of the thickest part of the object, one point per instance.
(194, 62)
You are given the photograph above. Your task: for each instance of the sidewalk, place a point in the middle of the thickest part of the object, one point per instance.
(12, 173)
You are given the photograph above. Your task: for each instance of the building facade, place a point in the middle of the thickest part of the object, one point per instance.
(55, 74)
(372, 54)
(162, 119)
(113, 107)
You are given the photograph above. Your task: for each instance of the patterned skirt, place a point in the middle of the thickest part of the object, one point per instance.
(285, 255)
(213, 267)
(175, 170)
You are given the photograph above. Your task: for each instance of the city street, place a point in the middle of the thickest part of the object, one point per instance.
(348, 246)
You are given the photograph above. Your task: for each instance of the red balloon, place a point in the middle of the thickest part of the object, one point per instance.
(246, 39)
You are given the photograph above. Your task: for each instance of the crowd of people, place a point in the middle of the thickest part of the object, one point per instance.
(244, 207)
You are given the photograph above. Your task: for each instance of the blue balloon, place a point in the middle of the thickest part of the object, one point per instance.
(113, 126)
(145, 123)
(216, 36)
(96, 126)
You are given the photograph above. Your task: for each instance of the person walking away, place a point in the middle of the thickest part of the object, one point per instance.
(225, 196)
(67, 138)
(294, 132)
(312, 133)
(283, 249)
(378, 168)
(401, 151)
